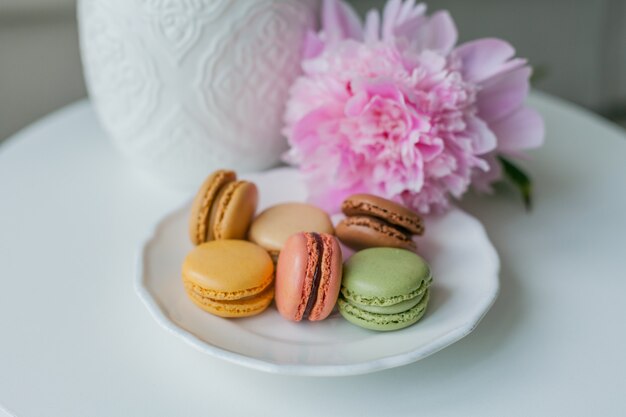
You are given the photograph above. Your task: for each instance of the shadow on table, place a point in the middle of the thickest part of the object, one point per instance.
(498, 327)
(425, 382)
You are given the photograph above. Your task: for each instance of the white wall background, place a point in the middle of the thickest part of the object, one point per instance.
(579, 47)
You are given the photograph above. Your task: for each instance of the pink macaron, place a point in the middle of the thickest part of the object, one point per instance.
(308, 276)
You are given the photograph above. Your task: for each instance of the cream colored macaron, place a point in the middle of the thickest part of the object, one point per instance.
(276, 224)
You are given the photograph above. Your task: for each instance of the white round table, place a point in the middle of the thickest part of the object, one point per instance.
(76, 341)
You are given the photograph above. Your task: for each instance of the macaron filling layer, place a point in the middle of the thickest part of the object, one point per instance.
(210, 219)
(234, 308)
(308, 276)
(214, 185)
(385, 301)
(218, 210)
(392, 309)
(379, 225)
(317, 278)
(225, 295)
(378, 321)
(325, 299)
(317, 275)
(415, 224)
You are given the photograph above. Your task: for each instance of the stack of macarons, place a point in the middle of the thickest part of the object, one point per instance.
(217, 280)
(224, 274)
(384, 304)
(290, 253)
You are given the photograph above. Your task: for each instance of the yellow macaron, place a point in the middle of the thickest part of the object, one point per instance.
(223, 208)
(229, 278)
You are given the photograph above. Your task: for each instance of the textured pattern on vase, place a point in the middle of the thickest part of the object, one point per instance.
(187, 86)
(236, 70)
(179, 23)
(121, 79)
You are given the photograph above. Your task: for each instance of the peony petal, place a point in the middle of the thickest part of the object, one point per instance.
(418, 10)
(523, 129)
(482, 179)
(416, 176)
(485, 58)
(456, 184)
(380, 87)
(313, 46)
(405, 11)
(356, 104)
(483, 139)
(409, 11)
(390, 14)
(410, 28)
(502, 95)
(432, 149)
(331, 23)
(304, 133)
(442, 165)
(440, 33)
(435, 65)
(371, 32)
(352, 22)
(340, 21)
(384, 89)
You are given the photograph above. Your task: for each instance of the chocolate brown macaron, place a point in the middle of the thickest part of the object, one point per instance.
(373, 221)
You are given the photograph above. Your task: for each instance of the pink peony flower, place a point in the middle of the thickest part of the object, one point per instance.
(392, 108)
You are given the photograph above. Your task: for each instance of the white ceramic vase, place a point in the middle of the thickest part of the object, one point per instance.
(187, 86)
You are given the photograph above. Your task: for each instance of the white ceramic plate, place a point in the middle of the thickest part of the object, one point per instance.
(465, 269)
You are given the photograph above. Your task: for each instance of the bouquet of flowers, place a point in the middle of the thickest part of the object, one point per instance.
(394, 107)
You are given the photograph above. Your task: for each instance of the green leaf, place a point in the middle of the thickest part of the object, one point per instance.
(539, 73)
(519, 179)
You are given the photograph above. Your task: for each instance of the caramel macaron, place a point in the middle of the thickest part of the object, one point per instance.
(223, 208)
(373, 221)
(229, 278)
(276, 224)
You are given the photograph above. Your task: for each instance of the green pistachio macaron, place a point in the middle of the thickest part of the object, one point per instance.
(384, 289)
